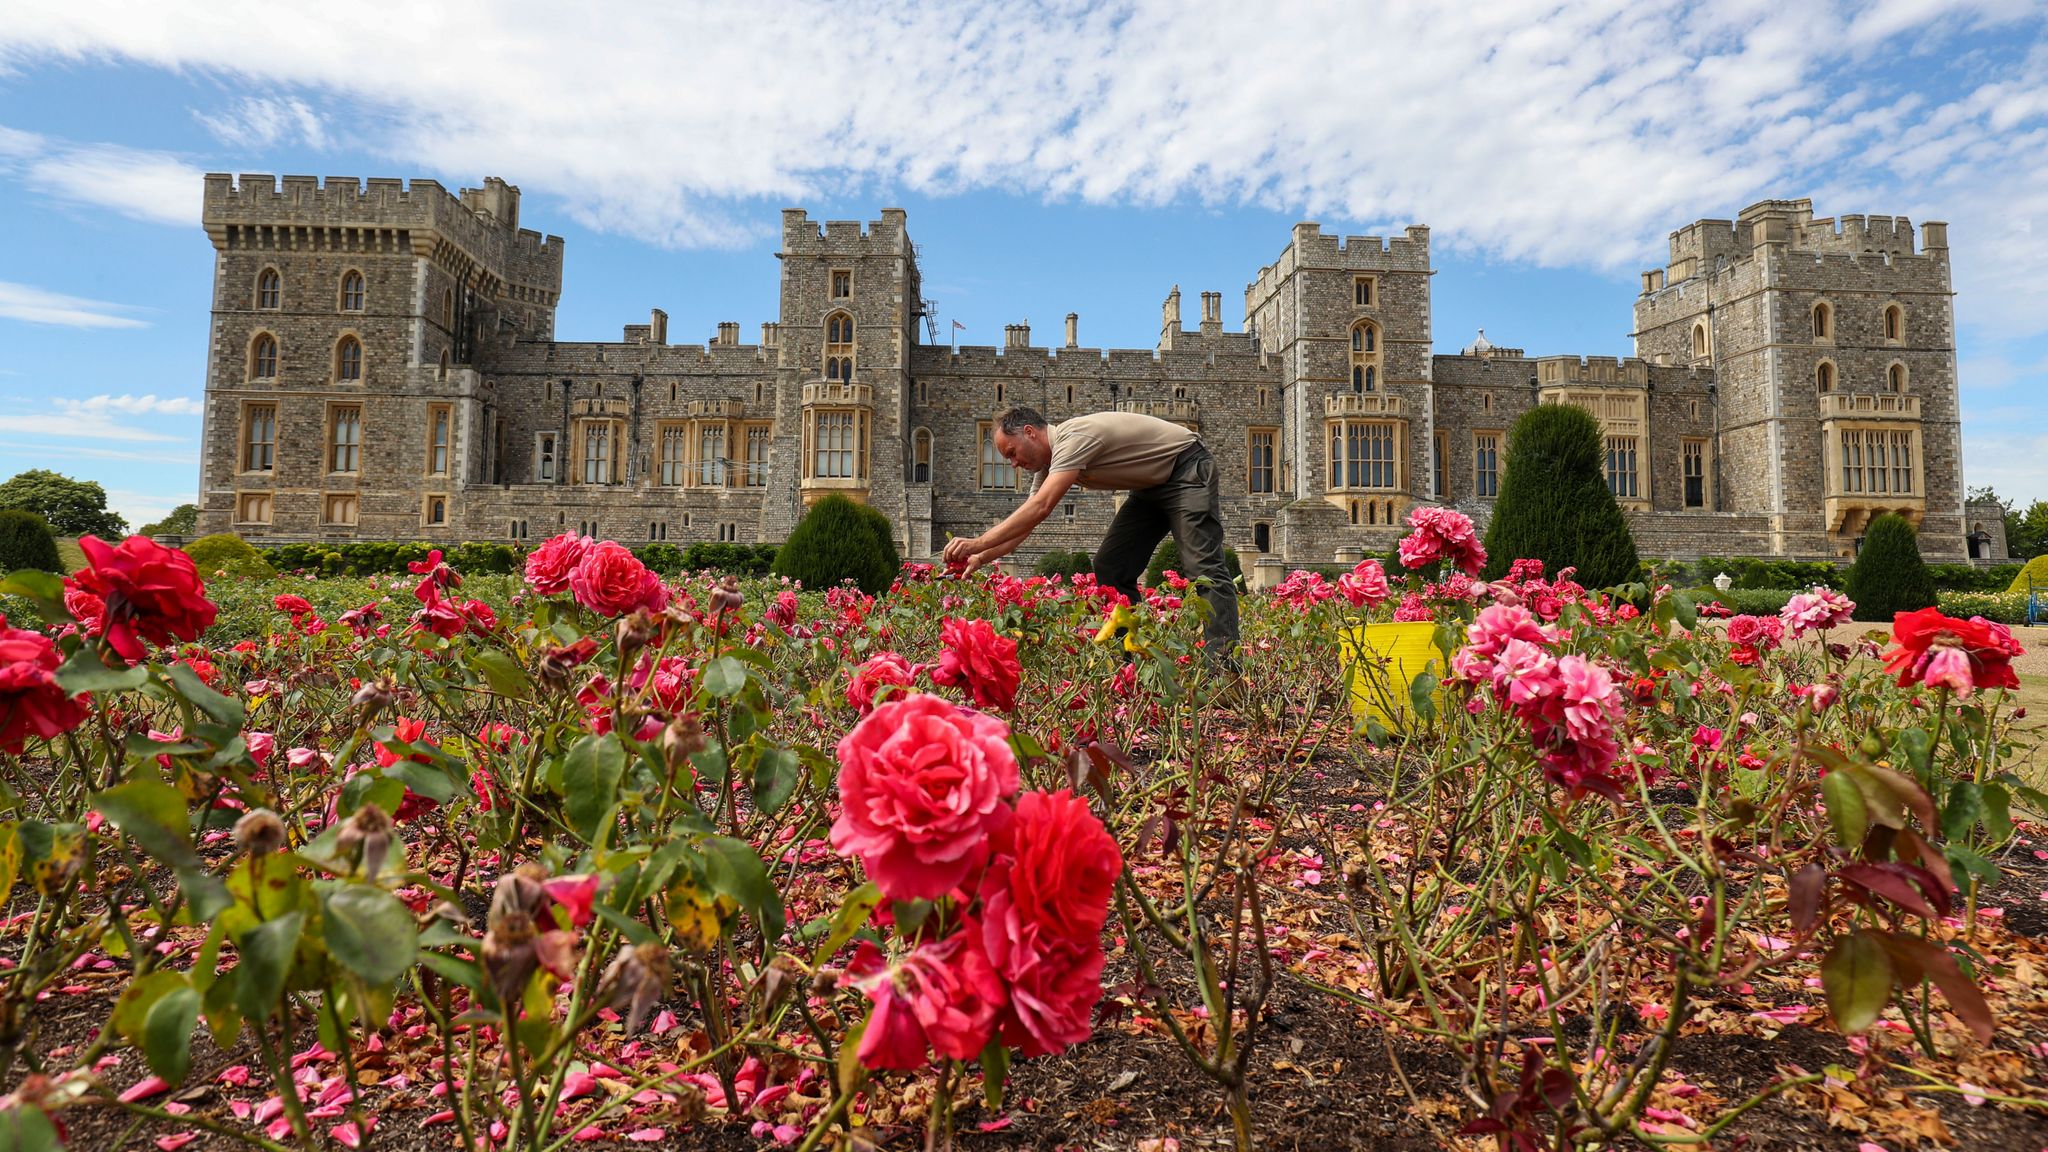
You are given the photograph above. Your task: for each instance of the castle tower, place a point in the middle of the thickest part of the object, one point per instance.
(851, 301)
(1349, 323)
(342, 398)
(1833, 349)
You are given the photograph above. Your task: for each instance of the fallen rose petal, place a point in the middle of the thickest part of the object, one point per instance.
(143, 1089)
(995, 1125)
(176, 1140)
(348, 1135)
(444, 1117)
(590, 1132)
(646, 1135)
(664, 1022)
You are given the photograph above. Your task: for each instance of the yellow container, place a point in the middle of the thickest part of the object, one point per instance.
(1388, 657)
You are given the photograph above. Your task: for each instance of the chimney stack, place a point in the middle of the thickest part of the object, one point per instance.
(728, 332)
(1073, 329)
(657, 327)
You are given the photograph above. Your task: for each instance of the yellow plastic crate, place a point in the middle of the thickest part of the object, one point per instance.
(1388, 657)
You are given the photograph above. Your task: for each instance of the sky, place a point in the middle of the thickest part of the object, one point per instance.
(1053, 157)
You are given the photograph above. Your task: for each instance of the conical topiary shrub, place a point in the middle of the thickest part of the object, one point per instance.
(1167, 555)
(25, 542)
(1889, 577)
(839, 539)
(1554, 504)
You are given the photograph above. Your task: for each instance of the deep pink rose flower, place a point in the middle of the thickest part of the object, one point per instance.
(1365, 586)
(295, 606)
(922, 783)
(1442, 534)
(152, 594)
(611, 581)
(1054, 982)
(548, 568)
(31, 703)
(1055, 866)
(944, 995)
(883, 669)
(980, 660)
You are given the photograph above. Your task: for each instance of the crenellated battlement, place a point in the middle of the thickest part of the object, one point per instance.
(1707, 247)
(1309, 248)
(482, 222)
(1606, 370)
(805, 237)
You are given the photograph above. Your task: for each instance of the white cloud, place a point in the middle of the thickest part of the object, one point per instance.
(99, 417)
(40, 306)
(1557, 131)
(264, 122)
(155, 187)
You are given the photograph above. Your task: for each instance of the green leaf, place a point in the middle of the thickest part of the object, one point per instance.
(454, 968)
(424, 779)
(1964, 808)
(776, 775)
(1422, 696)
(633, 930)
(724, 677)
(734, 870)
(1857, 976)
(370, 932)
(590, 783)
(167, 1033)
(131, 1011)
(153, 814)
(1997, 812)
(224, 709)
(46, 589)
(995, 1071)
(1916, 747)
(266, 953)
(10, 860)
(1685, 611)
(1851, 817)
(26, 1129)
(83, 672)
(502, 673)
(852, 913)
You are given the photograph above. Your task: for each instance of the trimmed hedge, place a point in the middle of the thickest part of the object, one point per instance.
(1745, 601)
(1889, 577)
(838, 540)
(1754, 572)
(2035, 570)
(374, 557)
(227, 552)
(1058, 563)
(734, 559)
(1554, 503)
(1970, 578)
(26, 542)
(2004, 607)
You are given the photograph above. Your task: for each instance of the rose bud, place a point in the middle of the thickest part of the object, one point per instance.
(638, 977)
(520, 891)
(376, 696)
(825, 981)
(557, 664)
(634, 632)
(259, 832)
(366, 837)
(683, 738)
(508, 957)
(727, 597)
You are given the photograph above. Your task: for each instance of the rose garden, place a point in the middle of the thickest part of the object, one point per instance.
(598, 853)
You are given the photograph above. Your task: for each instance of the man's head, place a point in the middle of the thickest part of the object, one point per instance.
(1021, 437)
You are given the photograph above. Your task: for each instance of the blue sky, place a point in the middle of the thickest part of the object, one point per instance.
(1053, 157)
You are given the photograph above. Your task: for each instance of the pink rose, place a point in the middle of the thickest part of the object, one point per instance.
(922, 783)
(980, 660)
(611, 581)
(783, 613)
(548, 568)
(945, 994)
(1055, 866)
(1054, 982)
(1365, 586)
(31, 703)
(882, 670)
(1442, 534)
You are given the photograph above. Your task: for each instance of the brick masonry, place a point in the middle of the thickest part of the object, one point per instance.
(649, 439)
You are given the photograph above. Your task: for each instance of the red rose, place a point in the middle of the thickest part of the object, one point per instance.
(153, 594)
(883, 669)
(441, 617)
(84, 607)
(548, 569)
(481, 618)
(295, 606)
(922, 783)
(944, 995)
(1054, 983)
(980, 660)
(31, 703)
(1055, 866)
(611, 581)
(1988, 646)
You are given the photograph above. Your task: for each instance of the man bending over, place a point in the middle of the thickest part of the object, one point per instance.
(1171, 479)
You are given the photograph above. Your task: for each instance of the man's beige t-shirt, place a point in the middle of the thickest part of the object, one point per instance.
(1117, 450)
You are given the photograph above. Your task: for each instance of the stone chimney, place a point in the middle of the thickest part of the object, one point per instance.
(771, 335)
(1169, 319)
(657, 327)
(1212, 313)
(1073, 329)
(729, 332)
(1016, 335)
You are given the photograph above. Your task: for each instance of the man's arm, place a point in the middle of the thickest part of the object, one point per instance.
(1003, 539)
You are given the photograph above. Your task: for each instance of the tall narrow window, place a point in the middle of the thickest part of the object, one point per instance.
(1823, 321)
(1852, 461)
(996, 472)
(437, 510)
(1621, 467)
(839, 346)
(340, 508)
(352, 292)
(842, 283)
(259, 437)
(448, 308)
(921, 456)
(345, 438)
(674, 453)
(1824, 377)
(1895, 377)
(1439, 448)
(1365, 356)
(1259, 454)
(269, 290)
(1700, 346)
(1363, 291)
(597, 452)
(1693, 456)
(263, 357)
(440, 418)
(711, 457)
(1902, 462)
(758, 438)
(1486, 465)
(544, 457)
(1894, 323)
(833, 445)
(348, 360)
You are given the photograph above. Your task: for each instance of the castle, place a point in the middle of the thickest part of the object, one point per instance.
(382, 365)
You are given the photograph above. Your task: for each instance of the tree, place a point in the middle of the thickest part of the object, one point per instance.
(837, 540)
(73, 507)
(1889, 577)
(1555, 505)
(183, 521)
(25, 542)
(2026, 533)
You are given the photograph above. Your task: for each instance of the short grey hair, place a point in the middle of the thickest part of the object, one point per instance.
(1016, 418)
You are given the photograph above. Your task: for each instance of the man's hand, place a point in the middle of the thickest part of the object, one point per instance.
(960, 549)
(986, 557)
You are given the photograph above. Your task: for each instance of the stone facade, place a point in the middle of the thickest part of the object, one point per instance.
(383, 366)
